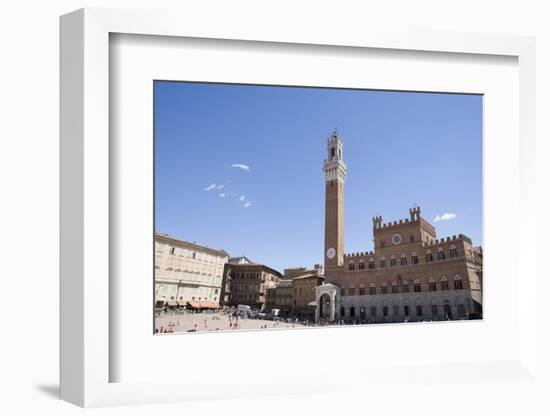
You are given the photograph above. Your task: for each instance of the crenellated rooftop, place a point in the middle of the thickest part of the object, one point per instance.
(433, 243)
(360, 254)
(391, 224)
(414, 218)
(438, 241)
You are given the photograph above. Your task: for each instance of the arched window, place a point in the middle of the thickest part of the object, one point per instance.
(461, 311)
(405, 285)
(361, 265)
(403, 260)
(447, 311)
(429, 256)
(384, 288)
(414, 258)
(432, 286)
(393, 262)
(371, 264)
(444, 283)
(395, 311)
(362, 291)
(417, 287)
(351, 291)
(458, 283)
(394, 287)
(382, 262)
(453, 253)
(372, 289)
(440, 254)
(351, 266)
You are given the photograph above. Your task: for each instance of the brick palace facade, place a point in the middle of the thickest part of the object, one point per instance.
(412, 275)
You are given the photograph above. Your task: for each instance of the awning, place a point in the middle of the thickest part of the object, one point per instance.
(181, 303)
(172, 303)
(197, 304)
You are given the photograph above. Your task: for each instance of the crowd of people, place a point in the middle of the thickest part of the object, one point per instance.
(169, 329)
(228, 318)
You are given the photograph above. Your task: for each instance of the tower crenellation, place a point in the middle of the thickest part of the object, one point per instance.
(334, 166)
(414, 213)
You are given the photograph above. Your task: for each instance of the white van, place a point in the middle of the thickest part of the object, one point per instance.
(244, 310)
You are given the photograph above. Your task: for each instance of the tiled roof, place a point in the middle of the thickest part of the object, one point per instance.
(186, 244)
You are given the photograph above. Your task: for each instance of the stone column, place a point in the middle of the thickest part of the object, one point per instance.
(317, 306)
(332, 308)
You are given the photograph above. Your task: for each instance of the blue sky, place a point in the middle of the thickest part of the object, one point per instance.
(239, 167)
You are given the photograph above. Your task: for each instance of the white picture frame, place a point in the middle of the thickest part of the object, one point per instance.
(87, 356)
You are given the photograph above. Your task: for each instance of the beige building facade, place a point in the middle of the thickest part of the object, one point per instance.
(411, 275)
(304, 289)
(246, 283)
(292, 272)
(280, 297)
(187, 274)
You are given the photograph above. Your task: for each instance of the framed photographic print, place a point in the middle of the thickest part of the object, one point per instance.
(407, 273)
(301, 211)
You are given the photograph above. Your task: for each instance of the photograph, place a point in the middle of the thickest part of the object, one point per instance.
(292, 207)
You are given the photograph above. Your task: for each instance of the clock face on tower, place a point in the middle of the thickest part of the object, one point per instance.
(331, 253)
(396, 238)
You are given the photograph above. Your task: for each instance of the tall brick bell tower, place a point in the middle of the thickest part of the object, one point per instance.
(335, 176)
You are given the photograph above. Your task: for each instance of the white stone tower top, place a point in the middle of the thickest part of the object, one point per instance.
(334, 166)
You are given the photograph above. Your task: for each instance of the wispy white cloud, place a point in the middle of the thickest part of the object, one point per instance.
(241, 166)
(224, 194)
(445, 217)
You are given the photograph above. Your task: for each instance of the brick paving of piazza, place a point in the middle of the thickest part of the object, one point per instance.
(203, 322)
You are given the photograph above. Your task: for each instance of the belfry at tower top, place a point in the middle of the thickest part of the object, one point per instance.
(334, 165)
(334, 137)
